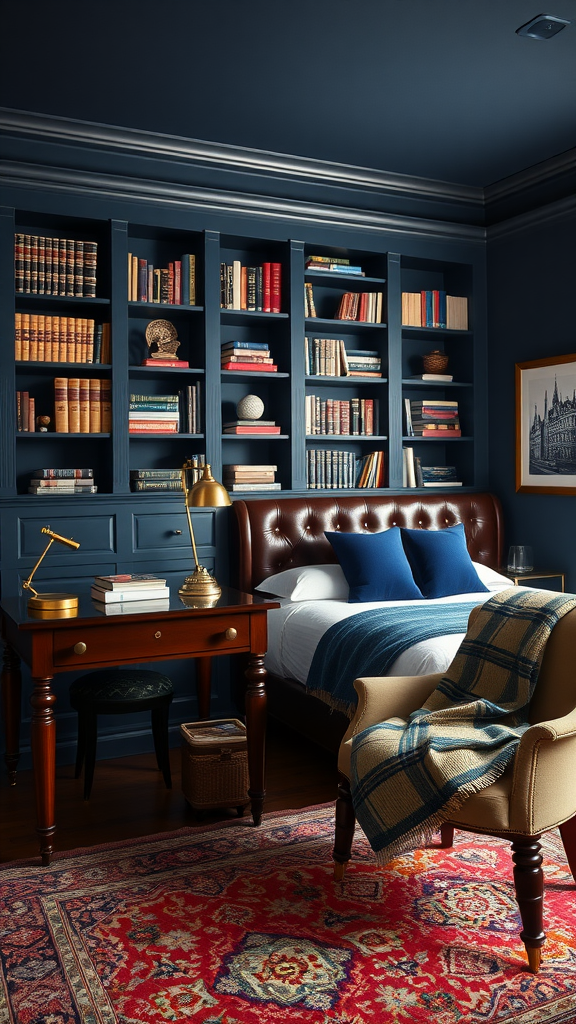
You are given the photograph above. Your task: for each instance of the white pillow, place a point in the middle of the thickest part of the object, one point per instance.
(490, 578)
(308, 583)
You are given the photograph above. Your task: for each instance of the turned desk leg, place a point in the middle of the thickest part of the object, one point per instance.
(43, 737)
(11, 709)
(256, 732)
(203, 683)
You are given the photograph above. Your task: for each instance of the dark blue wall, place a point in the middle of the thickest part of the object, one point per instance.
(531, 315)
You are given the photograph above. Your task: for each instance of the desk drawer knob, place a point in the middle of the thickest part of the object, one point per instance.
(80, 648)
(231, 633)
(157, 635)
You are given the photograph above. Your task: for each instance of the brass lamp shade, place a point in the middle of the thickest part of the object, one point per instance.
(206, 493)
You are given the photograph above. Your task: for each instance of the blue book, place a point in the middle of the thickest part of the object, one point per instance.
(186, 279)
(245, 344)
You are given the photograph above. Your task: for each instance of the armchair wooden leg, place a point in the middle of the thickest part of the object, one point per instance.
(344, 833)
(446, 835)
(568, 834)
(529, 882)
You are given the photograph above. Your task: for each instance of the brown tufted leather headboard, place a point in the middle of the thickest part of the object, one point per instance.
(274, 534)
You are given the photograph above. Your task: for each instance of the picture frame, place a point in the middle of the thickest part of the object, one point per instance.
(546, 425)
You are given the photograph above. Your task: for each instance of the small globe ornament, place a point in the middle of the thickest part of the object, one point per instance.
(250, 407)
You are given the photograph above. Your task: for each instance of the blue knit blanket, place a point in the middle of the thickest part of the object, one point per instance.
(407, 777)
(367, 644)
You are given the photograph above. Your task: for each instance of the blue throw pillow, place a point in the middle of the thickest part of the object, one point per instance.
(440, 562)
(375, 566)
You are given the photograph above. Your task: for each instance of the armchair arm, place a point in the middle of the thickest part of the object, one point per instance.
(542, 794)
(382, 697)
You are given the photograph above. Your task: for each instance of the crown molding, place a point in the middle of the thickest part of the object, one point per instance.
(558, 210)
(532, 177)
(66, 131)
(115, 187)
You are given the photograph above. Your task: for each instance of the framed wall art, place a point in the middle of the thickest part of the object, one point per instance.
(546, 425)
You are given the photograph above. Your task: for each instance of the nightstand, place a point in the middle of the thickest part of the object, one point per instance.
(527, 576)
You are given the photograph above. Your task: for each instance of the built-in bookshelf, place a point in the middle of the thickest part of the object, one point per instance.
(331, 340)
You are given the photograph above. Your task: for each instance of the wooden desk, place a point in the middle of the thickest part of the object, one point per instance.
(92, 639)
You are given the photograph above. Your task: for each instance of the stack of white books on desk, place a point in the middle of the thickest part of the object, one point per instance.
(130, 592)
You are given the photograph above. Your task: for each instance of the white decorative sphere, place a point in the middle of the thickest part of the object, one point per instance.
(250, 407)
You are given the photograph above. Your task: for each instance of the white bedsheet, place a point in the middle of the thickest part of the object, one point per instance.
(295, 629)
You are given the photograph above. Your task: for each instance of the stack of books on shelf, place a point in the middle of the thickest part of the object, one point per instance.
(364, 307)
(362, 362)
(130, 592)
(154, 414)
(333, 265)
(60, 339)
(82, 406)
(250, 427)
(329, 357)
(443, 377)
(435, 418)
(174, 285)
(247, 355)
(167, 479)
(55, 266)
(346, 416)
(256, 289)
(435, 308)
(25, 412)
(336, 470)
(239, 477)
(50, 482)
(436, 476)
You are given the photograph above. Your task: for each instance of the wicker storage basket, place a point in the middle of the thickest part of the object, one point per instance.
(215, 763)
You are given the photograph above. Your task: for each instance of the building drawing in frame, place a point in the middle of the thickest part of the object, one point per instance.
(546, 425)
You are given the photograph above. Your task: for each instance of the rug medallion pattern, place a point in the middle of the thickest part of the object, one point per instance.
(244, 925)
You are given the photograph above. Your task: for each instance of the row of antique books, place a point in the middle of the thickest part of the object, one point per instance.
(174, 285)
(243, 477)
(55, 266)
(256, 289)
(336, 470)
(51, 482)
(82, 406)
(363, 307)
(166, 414)
(329, 357)
(167, 479)
(60, 339)
(341, 416)
(434, 308)
(247, 355)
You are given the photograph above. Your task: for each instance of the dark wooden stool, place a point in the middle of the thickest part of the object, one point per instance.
(120, 691)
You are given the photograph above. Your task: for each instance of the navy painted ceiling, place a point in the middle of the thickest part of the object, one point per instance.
(444, 89)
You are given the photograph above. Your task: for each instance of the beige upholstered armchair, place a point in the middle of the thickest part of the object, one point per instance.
(536, 793)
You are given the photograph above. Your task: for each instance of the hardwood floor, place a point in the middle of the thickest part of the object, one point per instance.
(129, 798)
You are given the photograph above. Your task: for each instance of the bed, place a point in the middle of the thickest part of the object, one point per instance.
(274, 535)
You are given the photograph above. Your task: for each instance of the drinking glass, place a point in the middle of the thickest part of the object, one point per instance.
(520, 558)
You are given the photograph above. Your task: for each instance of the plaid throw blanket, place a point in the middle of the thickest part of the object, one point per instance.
(409, 776)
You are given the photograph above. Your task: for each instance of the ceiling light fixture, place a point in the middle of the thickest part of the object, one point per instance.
(543, 26)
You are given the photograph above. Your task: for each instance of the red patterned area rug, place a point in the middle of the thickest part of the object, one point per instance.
(233, 924)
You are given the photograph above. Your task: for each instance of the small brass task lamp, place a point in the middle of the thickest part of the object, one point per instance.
(206, 493)
(65, 605)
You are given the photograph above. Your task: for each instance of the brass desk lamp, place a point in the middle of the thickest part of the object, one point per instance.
(206, 493)
(51, 605)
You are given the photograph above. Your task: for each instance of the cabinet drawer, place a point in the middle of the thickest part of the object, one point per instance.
(137, 641)
(169, 531)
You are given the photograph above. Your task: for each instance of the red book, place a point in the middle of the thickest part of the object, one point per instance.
(275, 287)
(251, 430)
(165, 362)
(255, 367)
(266, 288)
(363, 305)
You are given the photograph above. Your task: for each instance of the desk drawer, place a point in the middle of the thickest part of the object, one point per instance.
(112, 643)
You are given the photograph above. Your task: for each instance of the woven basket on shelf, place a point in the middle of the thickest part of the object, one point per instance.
(435, 361)
(215, 763)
